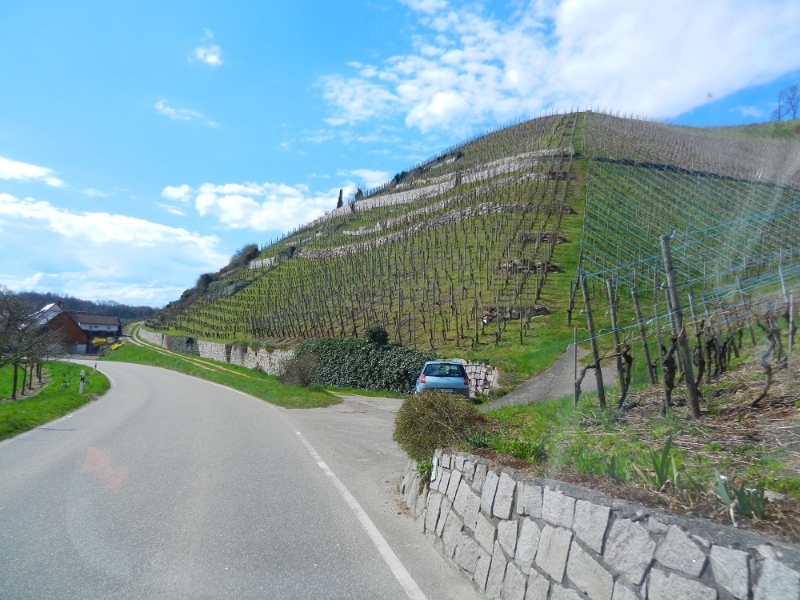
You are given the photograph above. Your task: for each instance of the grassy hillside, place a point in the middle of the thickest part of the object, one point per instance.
(475, 253)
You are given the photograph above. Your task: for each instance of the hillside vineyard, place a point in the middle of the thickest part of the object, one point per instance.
(486, 242)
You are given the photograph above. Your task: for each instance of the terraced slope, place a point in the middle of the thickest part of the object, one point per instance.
(475, 251)
(729, 197)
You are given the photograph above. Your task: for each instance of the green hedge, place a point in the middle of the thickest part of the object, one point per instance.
(354, 363)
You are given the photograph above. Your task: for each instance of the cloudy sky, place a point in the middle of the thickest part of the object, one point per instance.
(142, 143)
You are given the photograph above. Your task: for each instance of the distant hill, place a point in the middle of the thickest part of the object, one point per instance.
(478, 252)
(111, 308)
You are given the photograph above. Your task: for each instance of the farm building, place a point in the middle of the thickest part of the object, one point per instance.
(77, 328)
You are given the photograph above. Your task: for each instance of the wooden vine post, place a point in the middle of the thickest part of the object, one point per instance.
(601, 392)
(617, 347)
(651, 369)
(683, 341)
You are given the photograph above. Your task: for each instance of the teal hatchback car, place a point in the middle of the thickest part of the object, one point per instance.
(443, 376)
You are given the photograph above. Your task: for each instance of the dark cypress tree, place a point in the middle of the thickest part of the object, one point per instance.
(339, 203)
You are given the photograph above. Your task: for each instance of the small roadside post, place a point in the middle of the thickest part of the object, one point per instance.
(83, 377)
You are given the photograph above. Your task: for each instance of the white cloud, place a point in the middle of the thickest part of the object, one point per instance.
(209, 54)
(99, 255)
(181, 114)
(263, 207)
(750, 111)
(11, 169)
(426, 6)
(371, 178)
(171, 209)
(182, 193)
(92, 193)
(657, 58)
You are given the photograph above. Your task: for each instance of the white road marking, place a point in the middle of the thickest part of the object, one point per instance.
(403, 577)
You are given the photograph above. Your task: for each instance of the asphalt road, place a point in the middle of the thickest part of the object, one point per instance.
(173, 487)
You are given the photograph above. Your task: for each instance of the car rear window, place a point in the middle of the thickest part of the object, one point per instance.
(444, 370)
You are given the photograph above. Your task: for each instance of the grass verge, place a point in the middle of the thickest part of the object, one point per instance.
(263, 386)
(56, 399)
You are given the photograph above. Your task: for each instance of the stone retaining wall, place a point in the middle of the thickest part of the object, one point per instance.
(270, 362)
(523, 538)
(483, 377)
(151, 337)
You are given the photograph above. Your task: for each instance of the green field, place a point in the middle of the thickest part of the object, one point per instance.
(56, 399)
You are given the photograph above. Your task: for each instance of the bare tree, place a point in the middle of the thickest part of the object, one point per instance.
(788, 103)
(24, 339)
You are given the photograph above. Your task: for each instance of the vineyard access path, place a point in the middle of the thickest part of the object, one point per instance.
(553, 383)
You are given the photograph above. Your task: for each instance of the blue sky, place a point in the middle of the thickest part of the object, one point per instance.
(142, 143)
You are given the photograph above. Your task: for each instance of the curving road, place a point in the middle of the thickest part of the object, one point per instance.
(173, 487)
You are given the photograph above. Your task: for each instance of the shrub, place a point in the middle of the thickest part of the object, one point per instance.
(434, 420)
(300, 370)
(377, 335)
(354, 363)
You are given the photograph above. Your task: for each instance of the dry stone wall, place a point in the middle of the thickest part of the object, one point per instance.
(483, 377)
(523, 538)
(268, 361)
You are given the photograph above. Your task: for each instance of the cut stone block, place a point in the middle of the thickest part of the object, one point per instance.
(497, 572)
(479, 478)
(671, 586)
(445, 460)
(422, 501)
(452, 485)
(561, 593)
(444, 510)
(488, 492)
(551, 556)
(623, 593)
(504, 497)
(472, 510)
(656, 526)
(677, 551)
(629, 550)
(452, 533)
(507, 536)
(527, 544)
(514, 583)
(444, 480)
(469, 470)
(777, 582)
(482, 569)
(434, 503)
(590, 524)
(467, 554)
(588, 575)
(731, 570)
(485, 532)
(558, 509)
(458, 463)
(538, 587)
(529, 499)
(462, 495)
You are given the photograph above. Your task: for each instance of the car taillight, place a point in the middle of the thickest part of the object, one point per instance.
(466, 380)
(422, 378)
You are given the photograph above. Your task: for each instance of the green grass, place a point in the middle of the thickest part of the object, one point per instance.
(56, 399)
(585, 439)
(260, 385)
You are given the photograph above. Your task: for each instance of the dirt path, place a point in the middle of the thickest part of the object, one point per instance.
(555, 382)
